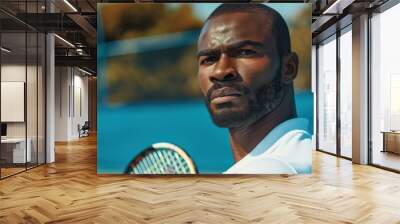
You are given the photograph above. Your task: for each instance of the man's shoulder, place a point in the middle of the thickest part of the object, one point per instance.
(295, 148)
(266, 165)
(286, 150)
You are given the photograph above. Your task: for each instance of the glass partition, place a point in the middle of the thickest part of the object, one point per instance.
(327, 95)
(41, 87)
(14, 151)
(31, 100)
(385, 89)
(22, 67)
(346, 93)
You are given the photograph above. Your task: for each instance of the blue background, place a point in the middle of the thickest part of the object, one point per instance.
(126, 130)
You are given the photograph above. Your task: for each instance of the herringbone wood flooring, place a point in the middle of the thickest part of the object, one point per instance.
(69, 191)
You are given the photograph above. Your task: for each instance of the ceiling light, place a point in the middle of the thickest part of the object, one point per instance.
(64, 40)
(5, 50)
(84, 71)
(70, 5)
(337, 7)
(79, 51)
(333, 6)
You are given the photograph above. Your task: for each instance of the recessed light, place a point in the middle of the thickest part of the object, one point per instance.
(84, 71)
(64, 40)
(70, 5)
(5, 50)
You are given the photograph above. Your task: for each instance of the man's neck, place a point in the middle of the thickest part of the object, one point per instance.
(244, 139)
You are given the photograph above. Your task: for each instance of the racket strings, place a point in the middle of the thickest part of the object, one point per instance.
(161, 161)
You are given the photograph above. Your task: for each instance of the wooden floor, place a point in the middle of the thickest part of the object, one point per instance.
(69, 191)
(10, 171)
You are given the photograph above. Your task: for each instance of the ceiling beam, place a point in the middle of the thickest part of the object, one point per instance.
(337, 6)
(84, 24)
(81, 61)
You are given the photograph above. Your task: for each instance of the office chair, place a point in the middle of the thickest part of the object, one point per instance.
(84, 130)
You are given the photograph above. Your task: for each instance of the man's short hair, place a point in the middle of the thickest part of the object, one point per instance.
(279, 27)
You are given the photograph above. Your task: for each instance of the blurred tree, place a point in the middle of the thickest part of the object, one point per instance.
(300, 33)
(126, 21)
(138, 77)
(171, 73)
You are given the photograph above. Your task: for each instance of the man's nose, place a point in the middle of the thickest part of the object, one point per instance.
(225, 70)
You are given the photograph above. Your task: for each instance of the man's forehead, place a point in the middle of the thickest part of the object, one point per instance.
(233, 27)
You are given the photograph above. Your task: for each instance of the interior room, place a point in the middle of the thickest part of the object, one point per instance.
(22, 102)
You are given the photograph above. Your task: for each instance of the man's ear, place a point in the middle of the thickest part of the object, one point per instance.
(290, 66)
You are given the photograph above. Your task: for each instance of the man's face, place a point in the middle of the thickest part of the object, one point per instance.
(239, 68)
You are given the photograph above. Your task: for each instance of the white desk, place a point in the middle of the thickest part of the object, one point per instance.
(18, 149)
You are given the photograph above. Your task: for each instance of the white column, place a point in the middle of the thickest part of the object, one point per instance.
(360, 90)
(50, 100)
(50, 92)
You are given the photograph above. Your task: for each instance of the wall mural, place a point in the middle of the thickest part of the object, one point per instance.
(204, 88)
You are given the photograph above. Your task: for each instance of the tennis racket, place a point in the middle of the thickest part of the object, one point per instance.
(162, 158)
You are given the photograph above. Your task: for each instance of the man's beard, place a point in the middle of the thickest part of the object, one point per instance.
(265, 100)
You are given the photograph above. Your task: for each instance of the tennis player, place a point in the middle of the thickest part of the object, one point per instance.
(246, 73)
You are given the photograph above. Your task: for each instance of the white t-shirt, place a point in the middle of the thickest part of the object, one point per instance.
(287, 149)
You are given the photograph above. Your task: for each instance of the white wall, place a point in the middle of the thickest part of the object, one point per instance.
(13, 100)
(62, 81)
(16, 73)
(71, 94)
(10, 73)
(33, 126)
(13, 72)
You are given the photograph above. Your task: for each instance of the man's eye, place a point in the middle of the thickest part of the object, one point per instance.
(246, 52)
(208, 60)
